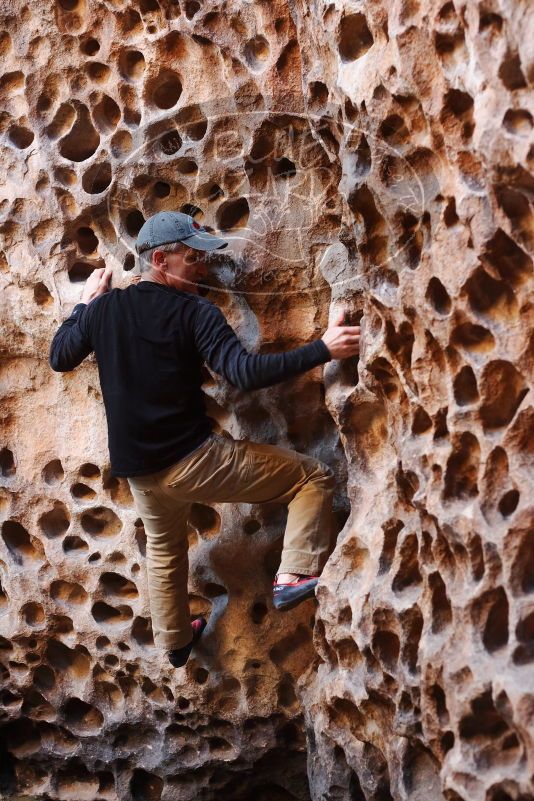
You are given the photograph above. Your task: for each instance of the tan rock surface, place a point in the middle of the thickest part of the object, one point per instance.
(374, 155)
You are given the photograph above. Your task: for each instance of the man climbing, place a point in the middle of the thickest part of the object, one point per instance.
(150, 341)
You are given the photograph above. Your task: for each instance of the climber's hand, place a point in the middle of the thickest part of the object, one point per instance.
(98, 282)
(342, 340)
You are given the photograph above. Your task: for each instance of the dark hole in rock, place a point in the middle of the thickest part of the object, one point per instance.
(44, 678)
(191, 8)
(142, 632)
(508, 502)
(408, 574)
(465, 386)
(420, 769)
(110, 615)
(140, 536)
(386, 646)
(68, 593)
(101, 522)
(489, 19)
(74, 545)
(518, 121)
(412, 627)
(33, 613)
(461, 475)
(86, 239)
(201, 675)
(81, 716)
(507, 259)
(161, 189)
(510, 72)
(75, 661)
(422, 421)
(438, 296)
(167, 90)
(258, 612)
(450, 216)
(145, 786)
(256, 52)
(317, 93)
(89, 470)
(132, 64)
(82, 140)
(490, 613)
(354, 37)
(82, 491)
(524, 632)
(503, 389)
(90, 46)
(115, 585)
(205, 519)
(473, 337)
(489, 296)
(213, 590)
(447, 742)
(98, 72)
(440, 423)
(80, 271)
(287, 58)
(441, 606)
(251, 526)
(133, 222)
(19, 543)
(517, 208)
(393, 129)
(7, 463)
(106, 114)
(233, 214)
(53, 472)
(97, 178)
(457, 103)
(20, 136)
(41, 294)
(193, 122)
(170, 142)
(284, 168)
(484, 721)
(129, 262)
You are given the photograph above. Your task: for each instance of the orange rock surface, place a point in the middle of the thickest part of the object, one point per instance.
(367, 154)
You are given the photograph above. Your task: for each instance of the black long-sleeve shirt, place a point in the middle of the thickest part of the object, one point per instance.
(150, 343)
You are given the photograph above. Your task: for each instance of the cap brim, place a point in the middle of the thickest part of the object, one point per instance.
(205, 241)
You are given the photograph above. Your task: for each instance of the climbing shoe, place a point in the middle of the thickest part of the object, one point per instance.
(179, 656)
(286, 596)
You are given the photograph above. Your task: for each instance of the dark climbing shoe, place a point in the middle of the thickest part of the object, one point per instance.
(286, 596)
(179, 656)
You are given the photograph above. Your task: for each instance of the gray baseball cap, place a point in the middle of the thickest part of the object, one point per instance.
(167, 227)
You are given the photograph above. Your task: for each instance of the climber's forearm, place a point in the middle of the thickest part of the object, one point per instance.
(69, 346)
(253, 371)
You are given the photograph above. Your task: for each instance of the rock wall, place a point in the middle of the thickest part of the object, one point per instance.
(369, 154)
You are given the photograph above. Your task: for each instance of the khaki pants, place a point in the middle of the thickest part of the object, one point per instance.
(225, 470)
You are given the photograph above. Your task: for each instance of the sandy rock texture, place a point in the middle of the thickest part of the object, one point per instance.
(368, 154)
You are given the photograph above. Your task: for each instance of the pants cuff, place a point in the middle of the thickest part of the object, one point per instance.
(173, 639)
(302, 571)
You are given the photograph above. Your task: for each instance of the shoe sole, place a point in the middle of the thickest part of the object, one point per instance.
(294, 595)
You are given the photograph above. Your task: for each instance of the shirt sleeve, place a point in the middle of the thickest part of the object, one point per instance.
(71, 343)
(221, 349)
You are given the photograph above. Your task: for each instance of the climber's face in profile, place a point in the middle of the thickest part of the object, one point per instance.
(184, 267)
